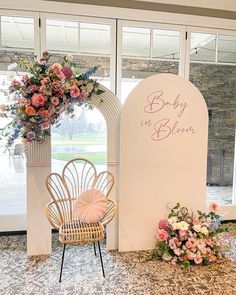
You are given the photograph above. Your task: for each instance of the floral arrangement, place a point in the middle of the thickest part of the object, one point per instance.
(43, 94)
(190, 239)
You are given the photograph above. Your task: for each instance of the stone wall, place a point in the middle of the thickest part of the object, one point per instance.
(141, 69)
(84, 62)
(218, 86)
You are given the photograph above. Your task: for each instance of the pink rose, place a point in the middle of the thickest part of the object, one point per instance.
(43, 113)
(164, 224)
(74, 91)
(45, 125)
(178, 251)
(191, 243)
(198, 259)
(56, 67)
(182, 233)
(172, 244)
(55, 101)
(15, 83)
(214, 207)
(33, 88)
(44, 81)
(38, 100)
(162, 235)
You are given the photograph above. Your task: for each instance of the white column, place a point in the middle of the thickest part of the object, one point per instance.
(38, 227)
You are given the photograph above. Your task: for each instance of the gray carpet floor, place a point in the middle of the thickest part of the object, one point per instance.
(129, 273)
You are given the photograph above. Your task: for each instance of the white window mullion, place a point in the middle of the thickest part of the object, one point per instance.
(43, 33)
(119, 59)
(113, 38)
(186, 57)
(217, 47)
(79, 37)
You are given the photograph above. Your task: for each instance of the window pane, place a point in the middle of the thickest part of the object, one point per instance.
(84, 135)
(17, 32)
(62, 35)
(166, 44)
(203, 47)
(94, 38)
(135, 70)
(136, 42)
(227, 49)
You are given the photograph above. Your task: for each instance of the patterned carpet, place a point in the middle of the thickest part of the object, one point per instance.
(127, 273)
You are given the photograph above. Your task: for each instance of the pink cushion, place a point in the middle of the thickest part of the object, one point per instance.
(91, 206)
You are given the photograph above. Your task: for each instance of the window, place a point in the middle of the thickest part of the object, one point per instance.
(147, 51)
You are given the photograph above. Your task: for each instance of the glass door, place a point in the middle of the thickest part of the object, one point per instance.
(212, 69)
(18, 38)
(91, 41)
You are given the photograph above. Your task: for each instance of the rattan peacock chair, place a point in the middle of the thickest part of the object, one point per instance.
(78, 175)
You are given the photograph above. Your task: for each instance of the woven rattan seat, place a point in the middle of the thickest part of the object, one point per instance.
(78, 176)
(77, 232)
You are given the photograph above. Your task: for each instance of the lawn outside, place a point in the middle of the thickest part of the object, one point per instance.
(88, 146)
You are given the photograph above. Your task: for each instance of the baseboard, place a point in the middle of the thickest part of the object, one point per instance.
(19, 232)
(24, 232)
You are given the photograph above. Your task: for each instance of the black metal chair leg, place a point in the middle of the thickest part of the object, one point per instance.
(100, 253)
(62, 261)
(94, 247)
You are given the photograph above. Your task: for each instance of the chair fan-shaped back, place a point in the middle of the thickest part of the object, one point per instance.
(104, 182)
(79, 175)
(61, 208)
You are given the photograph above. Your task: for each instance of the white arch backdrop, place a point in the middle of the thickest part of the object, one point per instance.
(39, 166)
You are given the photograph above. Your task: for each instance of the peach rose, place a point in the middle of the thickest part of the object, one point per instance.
(55, 101)
(214, 207)
(43, 113)
(38, 100)
(30, 111)
(198, 259)
(191, 243)
(74, 91)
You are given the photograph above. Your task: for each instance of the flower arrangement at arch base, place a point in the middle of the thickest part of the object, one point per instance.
(43, 94)
(188, 239)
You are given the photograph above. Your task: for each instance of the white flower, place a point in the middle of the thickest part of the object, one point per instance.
(175, 225)
(12, 66)
(197, 228)
(204, 231)
(69, 57)
(172, 220)
(183, 225)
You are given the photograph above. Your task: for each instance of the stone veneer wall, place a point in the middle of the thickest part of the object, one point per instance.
(84, 62)
(217, 83)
